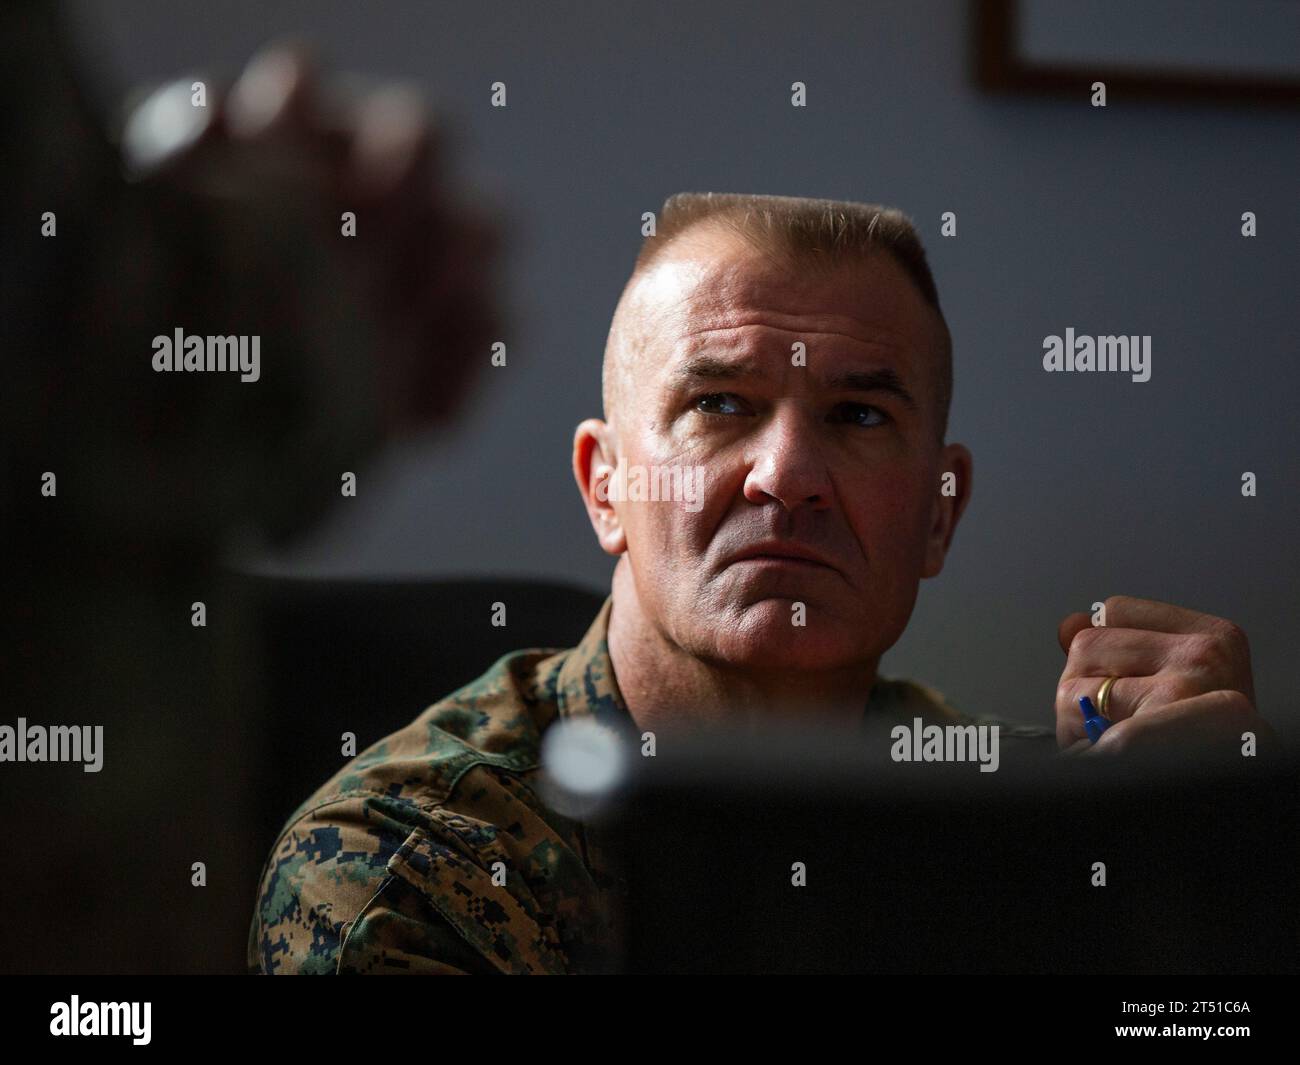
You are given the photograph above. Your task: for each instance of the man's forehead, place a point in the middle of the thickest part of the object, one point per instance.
(715, 282)
(717, 291)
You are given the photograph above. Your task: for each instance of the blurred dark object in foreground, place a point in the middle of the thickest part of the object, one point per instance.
(937, 868)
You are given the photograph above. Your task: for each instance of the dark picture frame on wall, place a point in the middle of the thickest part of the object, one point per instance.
(1172, 50)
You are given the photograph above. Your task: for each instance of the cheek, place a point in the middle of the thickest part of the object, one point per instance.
(671, 535)
(703, 488)
(665, 536)
(889, 512)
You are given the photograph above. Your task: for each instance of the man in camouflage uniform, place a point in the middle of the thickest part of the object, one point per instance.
(388, 868)
(432, 851)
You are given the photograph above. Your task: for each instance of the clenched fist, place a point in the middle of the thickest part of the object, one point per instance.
(1184, 679)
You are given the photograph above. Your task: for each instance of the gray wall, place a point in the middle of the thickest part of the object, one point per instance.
(1123, 220)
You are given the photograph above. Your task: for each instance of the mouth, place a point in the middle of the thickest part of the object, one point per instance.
(777, 555)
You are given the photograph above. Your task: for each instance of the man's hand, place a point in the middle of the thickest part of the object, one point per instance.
(1184, 679)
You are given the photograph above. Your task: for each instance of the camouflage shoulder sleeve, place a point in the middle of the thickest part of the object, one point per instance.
(372, 884)
(327, 902)
(432, 852)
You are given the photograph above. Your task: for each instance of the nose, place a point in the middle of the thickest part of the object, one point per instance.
(786, 465)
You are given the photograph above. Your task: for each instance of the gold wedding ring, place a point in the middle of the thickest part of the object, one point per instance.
(1103, 696)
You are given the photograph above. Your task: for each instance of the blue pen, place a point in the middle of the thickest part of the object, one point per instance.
(1093, 722)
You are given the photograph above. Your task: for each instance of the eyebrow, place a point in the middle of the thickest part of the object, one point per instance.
(882, 380)
(710, 368)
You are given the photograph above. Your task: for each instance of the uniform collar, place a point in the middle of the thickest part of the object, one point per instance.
(587, 686)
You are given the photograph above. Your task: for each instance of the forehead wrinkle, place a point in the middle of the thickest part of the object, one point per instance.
(752, 355)
(857, 339)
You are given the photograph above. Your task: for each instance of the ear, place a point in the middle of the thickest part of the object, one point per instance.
(951, 495)
(593, 467)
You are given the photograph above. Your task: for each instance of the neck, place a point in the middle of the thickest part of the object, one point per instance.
(668, 689)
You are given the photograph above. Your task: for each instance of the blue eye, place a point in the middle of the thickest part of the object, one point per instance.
(858, 414)
(720, 403)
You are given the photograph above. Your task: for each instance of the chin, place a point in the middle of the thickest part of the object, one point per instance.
(765, 639)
